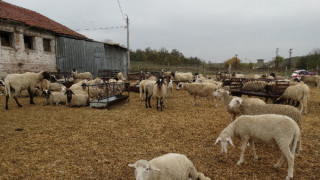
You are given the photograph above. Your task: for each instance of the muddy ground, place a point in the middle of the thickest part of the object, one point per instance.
(57, 142)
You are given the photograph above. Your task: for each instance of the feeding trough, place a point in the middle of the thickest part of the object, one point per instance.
(106, 94)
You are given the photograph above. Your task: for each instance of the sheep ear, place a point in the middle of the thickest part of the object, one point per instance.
(132, 165)
(230, 141)
(218, 139)
(153, 168)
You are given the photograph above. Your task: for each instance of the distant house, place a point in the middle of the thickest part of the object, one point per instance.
(33, 42)
(260, 63)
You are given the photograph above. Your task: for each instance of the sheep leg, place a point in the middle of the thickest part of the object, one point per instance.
(15, 98)
(146, 99)
(157, 103)
(149, 98)
(255, 157)
(161, 103)
(31, 96)
(244, 142)
(290, 158)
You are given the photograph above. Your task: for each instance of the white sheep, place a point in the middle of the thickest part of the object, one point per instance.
(141, 86)
(15, 83)
(55, 86)
(148, 90)
(256, 76)
(266, 128)
(240, 107)
(199, 89)
(182, 77)
(76, 99)
(226, 98)
(169, 82)
(54, 97)
(170, 166)
(120, 76)
(311, 79)
(44, 84)
(84, 75)
(160, 92)
(256, 86)
(300, 93)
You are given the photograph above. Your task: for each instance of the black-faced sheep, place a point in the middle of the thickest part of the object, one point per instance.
(266, 128)
(160, 92)
(170, 166)
(54, 97)
(76, 99)
(15, 83)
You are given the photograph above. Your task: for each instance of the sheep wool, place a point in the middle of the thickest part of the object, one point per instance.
(170, 166)
(15, 83)
(266, 128)
(299, 92)
(182, 77)
(199, 89)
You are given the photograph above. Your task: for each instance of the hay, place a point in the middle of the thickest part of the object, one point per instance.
(56, 142)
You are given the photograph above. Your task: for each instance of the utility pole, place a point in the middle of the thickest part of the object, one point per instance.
(290, 52)
(236, 62)
(276, 59)
(128, 47)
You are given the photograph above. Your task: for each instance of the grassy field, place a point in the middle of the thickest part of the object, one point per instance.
(57, 142)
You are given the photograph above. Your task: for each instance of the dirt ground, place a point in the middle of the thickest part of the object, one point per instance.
(57, 142)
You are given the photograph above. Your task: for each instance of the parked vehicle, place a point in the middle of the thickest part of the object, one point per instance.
(296, 75)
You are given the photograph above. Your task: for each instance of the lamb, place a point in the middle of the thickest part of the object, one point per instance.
(300, 93)
(182, 77)
(199, 89)
(76, 99)
(170, 166)
(120, 76)
(148, 90)
(160, 92)
(239, 107)
(266, 128)
(54, 97)
(311, 79)
(85, 75)
(14, 83)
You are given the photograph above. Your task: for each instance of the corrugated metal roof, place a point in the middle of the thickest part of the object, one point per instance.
(32, 18)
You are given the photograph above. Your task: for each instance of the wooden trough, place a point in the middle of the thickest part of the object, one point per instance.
(236, 88)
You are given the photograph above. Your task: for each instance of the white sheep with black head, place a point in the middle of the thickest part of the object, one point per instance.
(15, 83)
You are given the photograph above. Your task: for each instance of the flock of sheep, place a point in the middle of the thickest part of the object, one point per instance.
(257, 120)
(84, 89)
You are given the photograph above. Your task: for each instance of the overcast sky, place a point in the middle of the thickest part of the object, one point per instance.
(213, 30)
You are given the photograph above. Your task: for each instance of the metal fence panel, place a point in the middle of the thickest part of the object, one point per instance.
(87, 56)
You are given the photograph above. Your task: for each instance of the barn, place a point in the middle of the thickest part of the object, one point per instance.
(32, 42)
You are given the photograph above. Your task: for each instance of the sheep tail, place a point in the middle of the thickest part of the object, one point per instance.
(7, 88)
(296, 138)
(202, 176)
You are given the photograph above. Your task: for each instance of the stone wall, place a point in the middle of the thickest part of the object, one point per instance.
(18, 59)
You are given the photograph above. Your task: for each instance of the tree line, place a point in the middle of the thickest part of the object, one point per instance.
(310, 61)
(163, 57)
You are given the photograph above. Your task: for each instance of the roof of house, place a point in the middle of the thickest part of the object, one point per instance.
(34, 19)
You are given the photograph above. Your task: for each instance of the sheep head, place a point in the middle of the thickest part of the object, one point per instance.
(143, 170)
(180, 86)
(46, 94)
(236, 102)
(46, 75)
(224, 139)
(69, 94)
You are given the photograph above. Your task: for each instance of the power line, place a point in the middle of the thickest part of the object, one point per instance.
(121, 10)
(90, 29)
